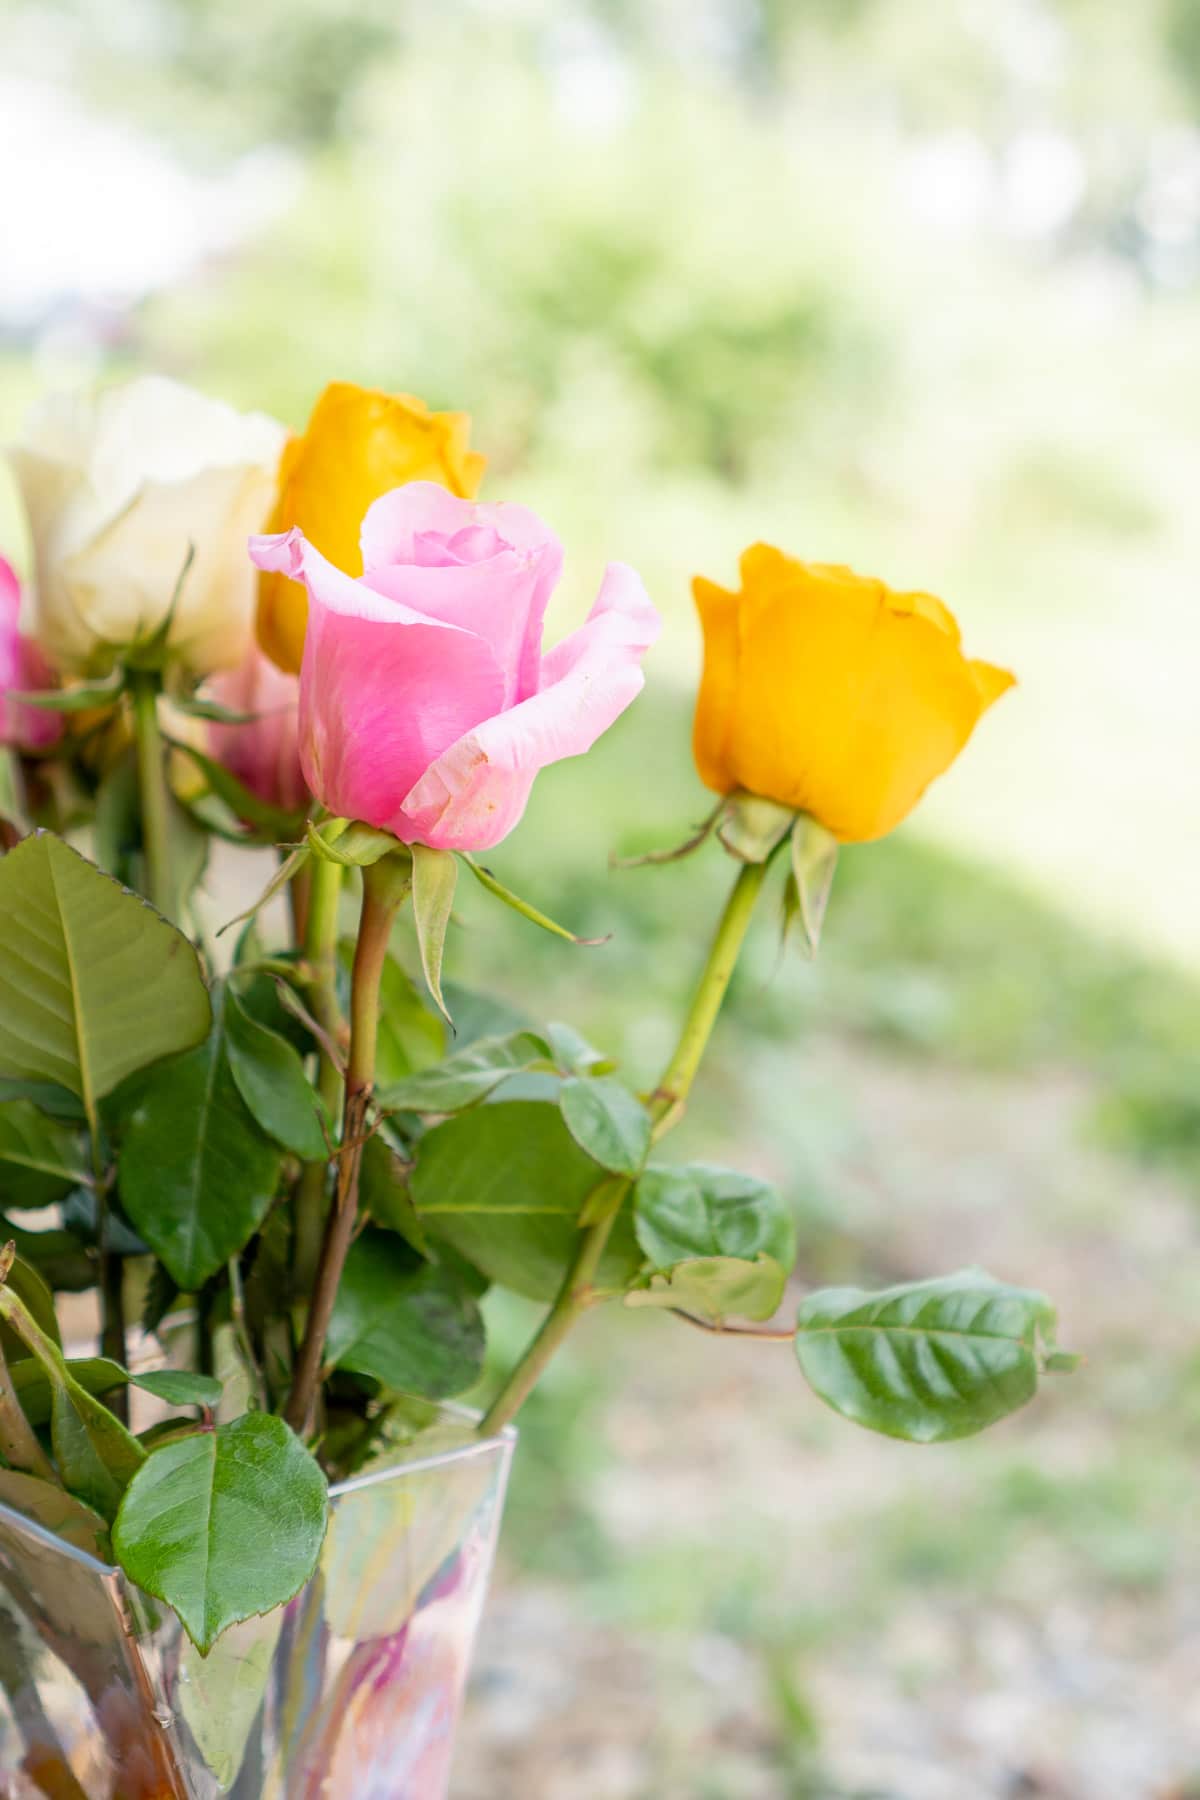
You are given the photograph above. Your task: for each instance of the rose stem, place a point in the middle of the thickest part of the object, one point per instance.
(320, 954)
(152, 790)
(576, 1293)
(384, 887)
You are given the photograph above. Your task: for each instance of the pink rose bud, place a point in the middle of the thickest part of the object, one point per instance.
(22, 666)
(426, 705)
(264, 753)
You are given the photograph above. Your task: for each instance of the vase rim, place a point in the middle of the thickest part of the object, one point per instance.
(502, 1440)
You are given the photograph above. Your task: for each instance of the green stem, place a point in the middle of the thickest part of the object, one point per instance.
(153, 793)
(577, 1291)
(320, 954)
(675, 1085)
(384, 887)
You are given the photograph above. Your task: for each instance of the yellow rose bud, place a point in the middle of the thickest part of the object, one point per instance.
(359, 444)
(827, 692)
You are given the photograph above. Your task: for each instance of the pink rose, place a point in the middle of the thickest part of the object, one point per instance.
(264, 754)
(426, 705)
(22, 666)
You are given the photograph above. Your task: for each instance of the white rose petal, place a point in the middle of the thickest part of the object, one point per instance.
(117, 486)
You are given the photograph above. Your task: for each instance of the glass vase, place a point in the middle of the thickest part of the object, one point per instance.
(352, 1690)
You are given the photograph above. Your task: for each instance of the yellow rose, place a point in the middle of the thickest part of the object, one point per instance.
(359, 444)
(827, 692)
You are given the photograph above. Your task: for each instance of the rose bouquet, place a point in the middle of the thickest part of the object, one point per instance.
(286, 1175)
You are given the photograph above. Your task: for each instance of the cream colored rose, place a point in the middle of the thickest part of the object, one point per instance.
(117, 485)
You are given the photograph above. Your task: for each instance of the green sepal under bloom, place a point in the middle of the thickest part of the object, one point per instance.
(810, 880)
(351, 844)
(751, 828)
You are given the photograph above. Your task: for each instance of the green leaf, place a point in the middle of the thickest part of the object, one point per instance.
(196, 1174)
(57, 1256)
(383, 1192)
(486, 879)
(573, 1054)
(47, 1096)
(479, 1015)
(32, 1384)
(814, 864)
(414, 1329)
(434, 876)
(39, 1158)
(32, 1291)
(719, 1242)
(504, 1185)
(927, 1361)
(220, 1694)
(224, 1524)
(715, 1287)
(95, 1454)
(271, 1080)
(750, 827)
(244, 804)
(179, 1387)
(702, 1210)
(468, 1076)
(607, 1121)
(55, 1511)
(93, 982)
(88, 697)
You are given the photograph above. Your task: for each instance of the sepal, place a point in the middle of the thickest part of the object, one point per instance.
(752, 828)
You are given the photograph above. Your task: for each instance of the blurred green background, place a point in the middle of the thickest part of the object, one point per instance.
(910, 284)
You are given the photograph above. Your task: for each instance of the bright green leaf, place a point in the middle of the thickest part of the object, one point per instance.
(504, 1185)
(715, 1287)
(607, 1121)
(93, 982)
(196, 1174)
(270, 1077)
(927, 1361)
(699, 1209)
(224, 1524)
(413, 1328)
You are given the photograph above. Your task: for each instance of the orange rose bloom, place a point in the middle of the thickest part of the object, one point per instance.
(359, 444)
(827, 692)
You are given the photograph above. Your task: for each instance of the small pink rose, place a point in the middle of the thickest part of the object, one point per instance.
(22, 667)
(426, 705)
(264, 753)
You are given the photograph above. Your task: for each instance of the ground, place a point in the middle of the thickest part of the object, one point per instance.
(756, 1599)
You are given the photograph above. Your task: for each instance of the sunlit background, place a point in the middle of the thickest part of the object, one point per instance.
(911, 284)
